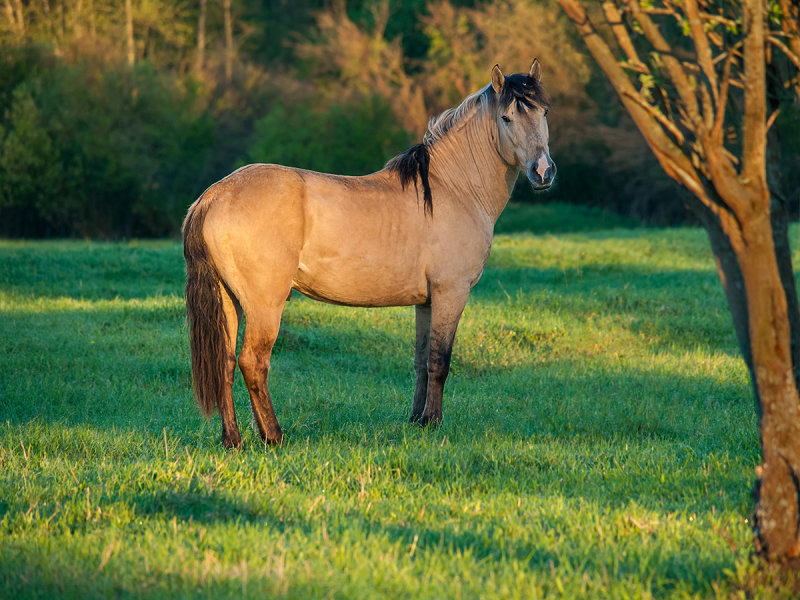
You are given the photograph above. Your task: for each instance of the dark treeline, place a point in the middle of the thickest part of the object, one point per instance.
(114, 116)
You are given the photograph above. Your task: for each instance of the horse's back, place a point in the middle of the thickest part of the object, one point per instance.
(361, 241)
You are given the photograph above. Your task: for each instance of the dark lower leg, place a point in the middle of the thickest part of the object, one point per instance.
(420, 394)
(438, 368)
(446, 307)
(233, 313)
(254, 363)
(230, 429)
(422, 348)
(266, 421)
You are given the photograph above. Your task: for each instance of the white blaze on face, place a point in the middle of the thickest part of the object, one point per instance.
(542, 165)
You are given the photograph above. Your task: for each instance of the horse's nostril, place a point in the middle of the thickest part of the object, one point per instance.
(542, 166)
(550, 174)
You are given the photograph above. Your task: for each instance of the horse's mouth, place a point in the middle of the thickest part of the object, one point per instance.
(539, 183)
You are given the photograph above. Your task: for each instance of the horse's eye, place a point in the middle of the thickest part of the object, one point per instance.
(546, 110)
(506, 119)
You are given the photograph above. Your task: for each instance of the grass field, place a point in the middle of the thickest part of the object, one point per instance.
(599, 437)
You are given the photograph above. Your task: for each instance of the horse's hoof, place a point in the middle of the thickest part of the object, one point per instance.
(232, 442)
(431, 421)
(274, 440)
(415, 417)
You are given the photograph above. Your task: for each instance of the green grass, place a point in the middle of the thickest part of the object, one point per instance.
(599, 438)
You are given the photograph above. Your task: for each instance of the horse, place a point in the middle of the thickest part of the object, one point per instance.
(265, 230)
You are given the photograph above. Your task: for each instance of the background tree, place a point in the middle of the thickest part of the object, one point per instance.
(693, 76)
(233, 66)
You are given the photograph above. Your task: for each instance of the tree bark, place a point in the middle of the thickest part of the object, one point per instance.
(730, 275)
(76, 21)
(201, 39)
(61, 21)
(777, 510)
(226, 5)
(131, 51)
(20, 11)
(11, 17)
(92, 23)
(47, 18)
(780, 216)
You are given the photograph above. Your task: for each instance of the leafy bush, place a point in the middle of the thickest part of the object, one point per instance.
(99, 153)
(351, 139)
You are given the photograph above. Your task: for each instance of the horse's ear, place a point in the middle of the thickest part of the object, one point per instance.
(497, 78)
(536, 70)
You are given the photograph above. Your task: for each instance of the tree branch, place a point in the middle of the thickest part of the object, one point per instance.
(666, 123)
(614, 20)
(719, 118)
(670, 156)
(703, 50)
(791, 24)
(772, 117)
(754, 130)
(794, 58)
(677, 74)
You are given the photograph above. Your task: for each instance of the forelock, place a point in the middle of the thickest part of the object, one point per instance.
(525, 91)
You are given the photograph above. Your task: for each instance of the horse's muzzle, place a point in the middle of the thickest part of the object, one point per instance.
(541, 172)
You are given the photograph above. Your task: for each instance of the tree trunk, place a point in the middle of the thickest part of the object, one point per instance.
(201, 39)
(92, 23)
(777, 510)
(131, 51)
(730, 275)
(11, 17)
(749, 236)
(20, 10)
(780, 216)
(759, 286)
(61, 22)
(76, 20)
(226, 4)
(46, 18)
(783, 251)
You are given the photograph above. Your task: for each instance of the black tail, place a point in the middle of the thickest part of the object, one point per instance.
(204, 314)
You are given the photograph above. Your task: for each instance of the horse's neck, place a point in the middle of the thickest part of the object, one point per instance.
(466, 160)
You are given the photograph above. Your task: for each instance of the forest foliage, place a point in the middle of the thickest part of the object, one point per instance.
(115, 116)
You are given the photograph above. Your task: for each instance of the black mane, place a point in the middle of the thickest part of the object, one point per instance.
(414, 161)
(526, 91)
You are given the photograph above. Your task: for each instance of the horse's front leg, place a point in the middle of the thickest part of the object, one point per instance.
(421, 351)
(446, 308)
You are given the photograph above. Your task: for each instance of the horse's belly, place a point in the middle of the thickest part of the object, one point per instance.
(357, 283)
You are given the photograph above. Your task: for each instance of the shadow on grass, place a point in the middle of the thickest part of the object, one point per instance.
(551, 548)
(673, 308)
(114, 367)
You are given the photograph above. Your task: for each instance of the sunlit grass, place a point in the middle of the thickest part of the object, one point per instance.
(599, 436)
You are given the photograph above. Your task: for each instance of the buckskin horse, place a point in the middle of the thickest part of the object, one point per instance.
(264, 230)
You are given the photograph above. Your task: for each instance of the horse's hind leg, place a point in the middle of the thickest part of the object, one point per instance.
(260, 333)
(421, 351)
(233, 313)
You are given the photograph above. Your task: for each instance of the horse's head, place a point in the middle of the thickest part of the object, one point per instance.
(522, 124)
